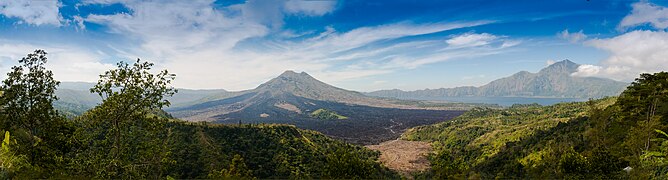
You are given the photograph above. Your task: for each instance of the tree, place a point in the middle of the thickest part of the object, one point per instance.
(28, 93)
(122, 138)
(26, 103)
(236, 170)
(131, 92)
(644, 104)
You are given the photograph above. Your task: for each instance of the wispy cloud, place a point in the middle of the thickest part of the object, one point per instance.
(646, 13)
(572, 37)
(67, 63)
(200, 43)
(634, 52)
(32, 12)
(471, 40)
(239, 46)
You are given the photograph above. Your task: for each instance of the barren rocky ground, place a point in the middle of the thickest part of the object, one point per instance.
(403, 156)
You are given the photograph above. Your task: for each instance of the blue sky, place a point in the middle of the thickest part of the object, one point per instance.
(361, 45)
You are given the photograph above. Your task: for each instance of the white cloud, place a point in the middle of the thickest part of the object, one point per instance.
(572, 37)
(272, 13)
(471, 39)
(32, 12)
(179, 26)
(632, 53)
(646, 13)
(587, 70)
(550, 62)
(67, 63)
(205, 47)
(310, 8)
(365, 35)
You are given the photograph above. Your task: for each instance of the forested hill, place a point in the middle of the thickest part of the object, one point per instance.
(609, 138)
(199, 150)
(553, 81)
(128, 136)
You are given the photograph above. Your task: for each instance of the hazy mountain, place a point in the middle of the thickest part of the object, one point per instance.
(292, 97)
(553, 81)
(75, 97)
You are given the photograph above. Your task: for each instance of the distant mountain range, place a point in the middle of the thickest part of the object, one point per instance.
(554, 81)
(75, 98)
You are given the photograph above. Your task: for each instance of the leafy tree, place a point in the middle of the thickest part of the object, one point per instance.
(28, 93)
(645, 104)
(657, 160)
(27, 111)
(236, 170)
(120, 137)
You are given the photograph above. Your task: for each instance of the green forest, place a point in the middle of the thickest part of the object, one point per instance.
(612, 138)
(128, 136)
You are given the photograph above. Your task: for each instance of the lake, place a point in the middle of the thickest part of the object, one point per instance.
(508, 101)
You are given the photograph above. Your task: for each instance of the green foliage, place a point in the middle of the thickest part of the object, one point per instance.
(657, 159)
(326, 114)
(28, 93)
(523, 141)
(120, 139)
(236, 170)
(269, 151)
(27, 111)
(11, 162)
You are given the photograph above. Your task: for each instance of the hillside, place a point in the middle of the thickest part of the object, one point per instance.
(292, 98)
(609, 138)
(554, 81)
(478, 142)
(268, 151)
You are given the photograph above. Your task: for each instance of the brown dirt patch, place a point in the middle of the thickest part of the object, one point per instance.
(288, 107)
(403, 156)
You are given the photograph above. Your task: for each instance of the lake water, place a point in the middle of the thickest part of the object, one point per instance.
(508, 101)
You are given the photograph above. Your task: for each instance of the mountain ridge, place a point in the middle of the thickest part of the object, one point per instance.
(553, 81)
(292, 98)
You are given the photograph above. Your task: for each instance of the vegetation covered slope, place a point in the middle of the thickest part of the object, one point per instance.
(596, 139)
(127, 136)
(553, 81)
(268, 151)
(326, 114)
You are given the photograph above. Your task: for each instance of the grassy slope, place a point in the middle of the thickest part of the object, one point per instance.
(327, 114)
(482, 135)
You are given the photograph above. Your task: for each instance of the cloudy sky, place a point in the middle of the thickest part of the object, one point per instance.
(360, 45)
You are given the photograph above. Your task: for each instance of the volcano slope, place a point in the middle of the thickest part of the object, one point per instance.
(292, 97)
